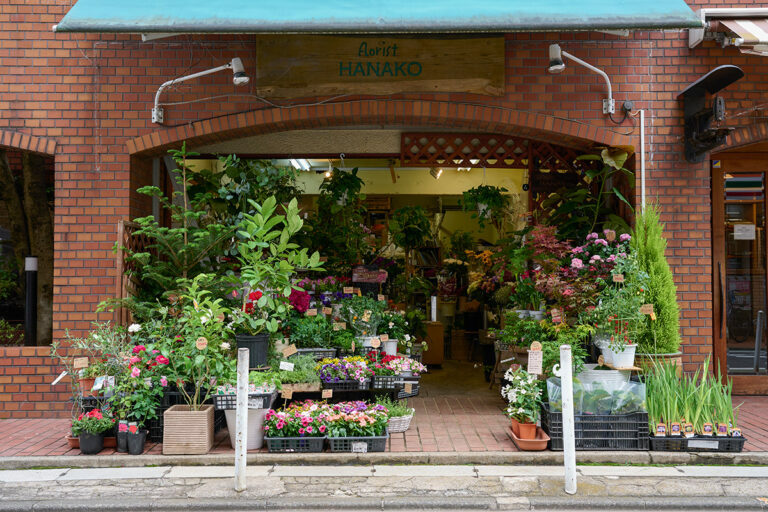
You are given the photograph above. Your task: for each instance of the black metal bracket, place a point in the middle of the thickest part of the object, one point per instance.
(700, 137)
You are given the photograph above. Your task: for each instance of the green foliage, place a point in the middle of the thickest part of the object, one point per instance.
(268, 259)
(395, 408)
(491, 200)
(94, 422)
(303, 372)
(409, 227)
(11, 335)
(461, 242)
(9, 279)
(649, 246)
(362, 314)
(562, 334)
(310, 331)
(395, 325)
(578, 211)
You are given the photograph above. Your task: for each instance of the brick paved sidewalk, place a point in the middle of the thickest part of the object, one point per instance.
(455, 412)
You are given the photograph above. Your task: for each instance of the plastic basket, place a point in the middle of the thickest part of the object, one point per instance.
(414, 382)
(359, 444)
(295, 444)
(255, 401)
(599, 431)
(698, 444)
(348, 385)
(317, 353)
(387, 382)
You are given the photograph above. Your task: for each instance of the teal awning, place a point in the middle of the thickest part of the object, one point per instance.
(366, 16)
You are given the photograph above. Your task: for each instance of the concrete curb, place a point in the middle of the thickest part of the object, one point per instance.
(431, 458)
(709, 503)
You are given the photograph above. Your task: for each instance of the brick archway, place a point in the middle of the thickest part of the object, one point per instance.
(745, 136)
(23, 142)
(444, 115)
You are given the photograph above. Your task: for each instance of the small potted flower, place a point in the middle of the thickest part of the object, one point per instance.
(357, 426)
(523, 396)
(350, 373)
(405, 366)
(395, 326)
(301, 427)
(400, 415)
(90, 428)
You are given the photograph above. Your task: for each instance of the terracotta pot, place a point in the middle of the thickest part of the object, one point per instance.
(110, 442)
(86, 384)
(515, 426)
(73, 442)
(527, 430)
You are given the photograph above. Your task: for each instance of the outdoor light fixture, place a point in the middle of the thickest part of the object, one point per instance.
(435, 172)
(239, 78)
(557, 65)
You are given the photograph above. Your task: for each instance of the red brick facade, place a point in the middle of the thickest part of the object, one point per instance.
(87, 98)
(26, 374)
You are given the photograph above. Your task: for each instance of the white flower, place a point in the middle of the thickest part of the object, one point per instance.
(225, 345)
(391, 325)
(134, 328)
(407, 337)
(204, 319)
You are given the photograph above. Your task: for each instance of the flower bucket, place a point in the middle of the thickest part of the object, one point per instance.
(625, 358)
(136, 441)
(187, 432)
(390, 347)
(607, 356)
(536, 314)
(122, 436)
(522, 313)
(91, 444)
(255, 435)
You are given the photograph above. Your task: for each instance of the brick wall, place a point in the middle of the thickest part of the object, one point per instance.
(93, 93)
(26, 374)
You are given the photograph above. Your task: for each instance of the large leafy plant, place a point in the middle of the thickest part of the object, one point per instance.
(268, 260)
(409, 227)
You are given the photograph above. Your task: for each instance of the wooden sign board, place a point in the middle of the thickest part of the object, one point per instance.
(327, 311)
(312, 312)
(646, 309)
(363, 275)
(618, 278)
(298, 66)
(80, 362)
(535, 359)
(327, 393)
(289, 350)
(348, 290)
(384, 337)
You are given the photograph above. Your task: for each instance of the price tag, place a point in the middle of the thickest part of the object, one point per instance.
(287, 393)
(375, 342)
(409, 387)
(556, 317)
(382, 298)
(348, 290)
(384, 337)
(353, 346)
(285, 365)
(535, 358)
(61, 376)
(327, 393)
(339, 326)
(618, 278)
(327, 311)
(610, 235)
(80, 362)
(312, 312)
(359, 447)
(201, 343)
(646, 309)
(290, 350)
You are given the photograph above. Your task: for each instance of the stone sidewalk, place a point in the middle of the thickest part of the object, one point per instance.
(383, 487)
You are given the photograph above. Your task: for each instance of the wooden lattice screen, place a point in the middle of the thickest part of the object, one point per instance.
(126, 283)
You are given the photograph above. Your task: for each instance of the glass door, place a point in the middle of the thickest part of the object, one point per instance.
(740, 275)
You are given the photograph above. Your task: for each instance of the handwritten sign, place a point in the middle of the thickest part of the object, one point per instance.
(359, 447)
(363, 275)
(409, 387)
(327, 393)
(610, 235)
(311, 312)
(382, 298)
(201, 343)
(287, 393)
(339, 326)
(290, 350)
(375, 342)
(352, 348)
(384, 337)
(618, 278)
(285, 365)
(80, 362)
(556, 316)
(535, 359)
(646, 309)
(327, 311)
(348, 290)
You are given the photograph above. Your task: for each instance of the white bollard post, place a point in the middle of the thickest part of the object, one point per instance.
(569, 441)
(241, 437)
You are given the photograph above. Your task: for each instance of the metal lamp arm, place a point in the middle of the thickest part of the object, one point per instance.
(190, 77)
(609, 107)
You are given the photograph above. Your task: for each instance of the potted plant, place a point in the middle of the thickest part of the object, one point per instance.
(268, 260)
(350, 373)
(357, 426)
(261, 394)
(523, 396)
(301, 427)
(395, 326)
(90, 428)
(398, 412)
(313, 335)
(363, 315)
(410, 229)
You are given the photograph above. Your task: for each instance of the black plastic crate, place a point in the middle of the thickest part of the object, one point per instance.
(599, 431)
(354, 444)
(698, 444)
(255, 401)
(317, 353)
(348, 385)
(414, 382)
(295, 444)
(387, 382)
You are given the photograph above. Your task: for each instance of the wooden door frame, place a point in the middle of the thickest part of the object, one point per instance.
(730, 162)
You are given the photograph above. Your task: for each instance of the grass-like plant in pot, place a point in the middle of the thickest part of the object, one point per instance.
(268, 259)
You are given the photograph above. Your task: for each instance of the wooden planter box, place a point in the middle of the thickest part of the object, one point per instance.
(187, 432)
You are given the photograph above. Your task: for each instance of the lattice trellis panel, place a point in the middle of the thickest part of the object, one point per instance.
(126, 285)
(463, 150)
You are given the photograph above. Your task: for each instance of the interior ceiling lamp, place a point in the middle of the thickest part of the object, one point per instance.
(300, 164)
(239, 78)
(435, 172)
(557, 65)
(460, 169)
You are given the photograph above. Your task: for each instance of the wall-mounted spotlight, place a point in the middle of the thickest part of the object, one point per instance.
(435, 172)
(239, 78)
(557, 65)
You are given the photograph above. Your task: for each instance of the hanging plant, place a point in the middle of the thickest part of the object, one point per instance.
(488, 201)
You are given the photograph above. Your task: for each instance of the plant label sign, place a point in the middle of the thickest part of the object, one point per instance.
(327, 393)
(661, 430)
(384, 337)
(708, 430)
(287, 392)
(201, 343)
(80, 362)
(409, 387)
(618, 278)
(556, 316)
(312, 312)
(285, 365)
(382, 298)
(348, 290)
(327, 311)
(359, 447)
(290, 350)
(535, 359)
(610, 235)
(646, 309)
(339, 326)
(376, 342)
(353, 346)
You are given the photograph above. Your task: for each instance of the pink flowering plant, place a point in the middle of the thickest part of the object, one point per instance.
(357, 419)
(404, 365)
(352, 368)
(300, 419)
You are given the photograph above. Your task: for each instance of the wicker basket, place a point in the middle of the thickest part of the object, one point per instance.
(400, 423)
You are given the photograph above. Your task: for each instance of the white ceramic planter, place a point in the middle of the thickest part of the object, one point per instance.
(536, 314)
(255, 437)
(625, 358)
(389, 347)
(522, 313)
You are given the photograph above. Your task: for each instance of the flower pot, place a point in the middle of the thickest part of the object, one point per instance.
(390, 347)
(91, 444)
(257, 346)
(72, 441)
(527, 430)
(625, 358)
(86, 384)
(536, 314)
(187, 432)
(255, 435)
(515, 426)
(607, 356)
(522, 313)
(136, 442)
(122, 436)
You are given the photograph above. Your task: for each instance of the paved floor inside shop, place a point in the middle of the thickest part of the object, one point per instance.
(455, 412)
